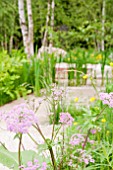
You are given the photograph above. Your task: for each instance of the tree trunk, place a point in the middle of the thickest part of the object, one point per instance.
(103, 25)
(11, 43)
(44, 41)
(30, 27)
(23, 26)
(5, 41)
(52, 23)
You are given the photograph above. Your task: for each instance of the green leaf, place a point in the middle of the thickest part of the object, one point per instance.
(30, 155)
(8, 159)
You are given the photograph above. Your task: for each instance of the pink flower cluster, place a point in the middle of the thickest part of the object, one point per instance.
(66, 118)
(93, 131)
(80, 156)
(57, 93)
(20, 118)
(84, 157)
(107, 98)
(34, 165)
(79, 139)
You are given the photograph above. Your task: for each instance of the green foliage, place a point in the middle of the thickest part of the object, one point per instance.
(76, 24)
(44, 71)
(58, 110)
(13, 77)
(19, 76)
(10, 159)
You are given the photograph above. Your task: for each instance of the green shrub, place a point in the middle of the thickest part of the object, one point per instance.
(13, 81)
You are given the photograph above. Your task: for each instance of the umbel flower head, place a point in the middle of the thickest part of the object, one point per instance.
(57, 93)
(66, 118)
(34, 165)
(20, 118)
(107, 98)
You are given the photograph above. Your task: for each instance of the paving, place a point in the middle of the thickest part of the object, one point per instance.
(83, 93)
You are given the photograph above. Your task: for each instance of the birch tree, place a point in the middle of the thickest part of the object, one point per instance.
(103, 25)
(27, 31)
(44, 41)
(30, 28)
(52, 23)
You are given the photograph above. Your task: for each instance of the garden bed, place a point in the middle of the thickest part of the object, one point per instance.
(83, 106)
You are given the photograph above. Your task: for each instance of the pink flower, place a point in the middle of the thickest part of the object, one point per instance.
(44, 166)
(93, 131)
(107, 98)
(85, 157)
(104, 96)
(86, 161)
(66, 118)
(76, 139)
(20, 118)
(34, 166)
(91, 141)
(57, 93)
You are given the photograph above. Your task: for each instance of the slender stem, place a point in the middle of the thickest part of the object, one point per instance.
(23, 147)
(3, 145)
(32, 138)
(100, 113)
(19, 150)
(49, 146)
(85, 142)
(86, 139)
(52, 157)
(57, 132)
(94, 87)
(53, 122)
(39, 130)
(62, 147)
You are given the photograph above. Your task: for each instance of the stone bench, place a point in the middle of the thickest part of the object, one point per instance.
(93, 70)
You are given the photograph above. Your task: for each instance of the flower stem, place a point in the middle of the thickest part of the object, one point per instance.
(57, 132)
(62, 151)
(100, 113)
(32, 138)
(52, 157)
(85, 142)
(49, 146)
(19, 150)
(86, 139)
(53, 122)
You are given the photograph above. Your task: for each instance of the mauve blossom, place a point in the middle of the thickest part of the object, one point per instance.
(107, 98)
(93, 131)
(91, 141)
(86, 161)
(77, 139)
(44, 166)
(85, 157)
(34, 165)
(66, 118)
(103, 96)
(20, 118)
(57, 93)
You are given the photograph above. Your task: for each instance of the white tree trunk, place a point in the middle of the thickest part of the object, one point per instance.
(103, 25)
(23, 25)
(11, 43)
(5, 41)
(52, 23)
(44, 41)
(27, 32)
(30, 28)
